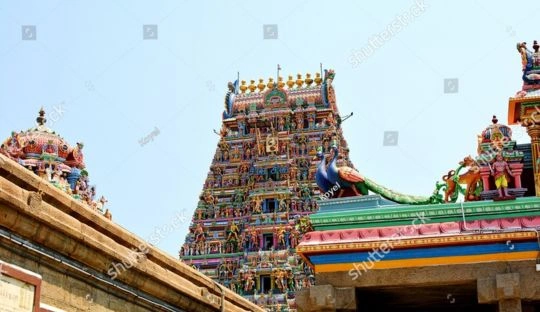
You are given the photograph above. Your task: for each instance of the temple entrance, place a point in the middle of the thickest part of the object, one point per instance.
(270, 206)
(266, 283)
(461, 298)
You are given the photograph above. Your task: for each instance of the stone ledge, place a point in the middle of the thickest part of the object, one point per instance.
(38, 211)
(326, 298)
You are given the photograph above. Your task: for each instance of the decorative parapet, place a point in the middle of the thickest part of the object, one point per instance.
(392, 215)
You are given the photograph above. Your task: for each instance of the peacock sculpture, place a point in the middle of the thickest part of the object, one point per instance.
(321, 176)
(345, 177)
(352, 183)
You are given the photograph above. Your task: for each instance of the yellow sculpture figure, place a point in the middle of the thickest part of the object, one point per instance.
(272, 143)
(281, 235)
(499, 170)
(258, 205)
(233, 231)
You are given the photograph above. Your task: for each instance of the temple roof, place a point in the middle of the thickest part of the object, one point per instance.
(44, 152)
(332, 216)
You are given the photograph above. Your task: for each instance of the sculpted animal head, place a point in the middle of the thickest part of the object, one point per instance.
(468, 161)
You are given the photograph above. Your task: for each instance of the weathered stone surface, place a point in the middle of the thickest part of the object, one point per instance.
(326, 298)
(510, 305)
(317, 298)
(508, 286)
(486, 290)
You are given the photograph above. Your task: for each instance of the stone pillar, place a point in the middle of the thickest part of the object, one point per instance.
(326, 298)
(485, 173)
(508, 292)
(517, 169)
(534, 132)
(510, 305)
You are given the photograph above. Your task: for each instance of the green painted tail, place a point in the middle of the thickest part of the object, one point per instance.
(395, 196)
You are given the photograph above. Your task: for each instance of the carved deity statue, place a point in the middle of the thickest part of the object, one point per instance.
(499, 170)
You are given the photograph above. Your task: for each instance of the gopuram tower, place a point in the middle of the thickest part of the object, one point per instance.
(261, 186)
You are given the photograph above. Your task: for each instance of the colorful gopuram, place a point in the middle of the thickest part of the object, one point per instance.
(44, 152)
(261, 186)
(475, 246)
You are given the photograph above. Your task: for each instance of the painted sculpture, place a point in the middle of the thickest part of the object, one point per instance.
(471, 178)
(498, 170)
(530, 62)
(42, 151)
(344, 181)
(485, 177)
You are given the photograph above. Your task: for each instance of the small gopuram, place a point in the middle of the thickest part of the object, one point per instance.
(473, 245)
(60, 251)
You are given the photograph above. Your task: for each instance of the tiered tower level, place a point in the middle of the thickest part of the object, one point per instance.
(261, 186)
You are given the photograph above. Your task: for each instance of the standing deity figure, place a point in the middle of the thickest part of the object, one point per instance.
(233, 231)
(281, 236)
(499, 170)
(257, 208)
(100, 206)
(241, 128)
(199, 233)
(12, 147)
(294, 237)
(249, 282)
(299, 122)
(283, 204)
(311, 120)
(281, 123)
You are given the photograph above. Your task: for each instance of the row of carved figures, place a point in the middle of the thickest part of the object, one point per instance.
(264, 216)
(75, 184)
(283, 280)
(283, 237)
(293, 174)
(245, 239)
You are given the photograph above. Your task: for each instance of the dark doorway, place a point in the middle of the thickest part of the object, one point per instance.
(268, 241)
(270, 205)
(266, 283)
(462, 298)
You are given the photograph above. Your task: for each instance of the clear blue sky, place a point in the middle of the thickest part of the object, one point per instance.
(89, 58)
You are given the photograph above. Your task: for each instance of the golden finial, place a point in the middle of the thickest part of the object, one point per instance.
(280, 83)
(243, 87)
(290, 82)
(252, 86)
(309, 80)
(261, 85)
(299, 81)
(318, 79)
(270, 83)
